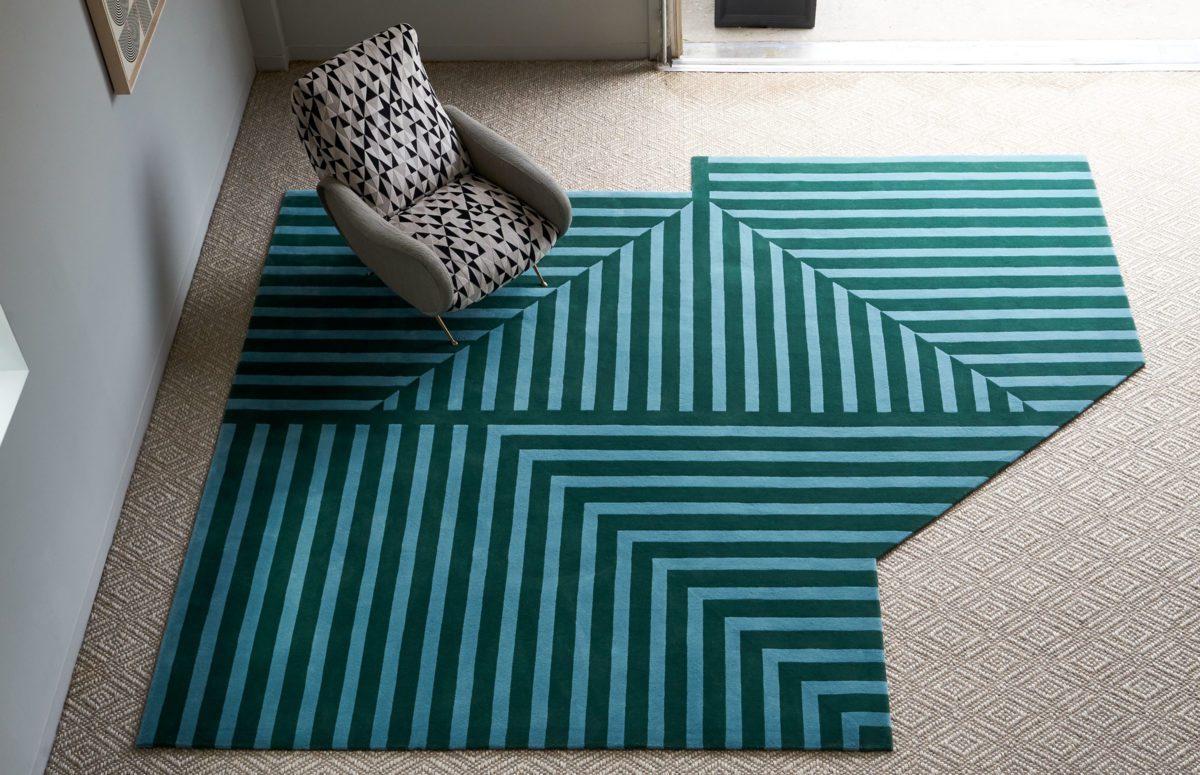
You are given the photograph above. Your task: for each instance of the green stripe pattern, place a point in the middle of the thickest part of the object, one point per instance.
(641, 507)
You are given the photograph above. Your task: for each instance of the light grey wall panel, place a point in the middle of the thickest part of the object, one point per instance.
(476, 29)
(265, 28)
(104, 204)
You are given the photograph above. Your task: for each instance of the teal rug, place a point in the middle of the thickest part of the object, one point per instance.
(641, 507)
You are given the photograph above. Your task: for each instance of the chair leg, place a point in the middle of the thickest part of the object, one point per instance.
(538, 272)
(449, 335)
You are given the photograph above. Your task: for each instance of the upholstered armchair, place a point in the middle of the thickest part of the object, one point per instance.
(442, 209)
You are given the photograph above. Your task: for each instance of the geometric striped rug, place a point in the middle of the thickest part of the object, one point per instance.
(641, 507)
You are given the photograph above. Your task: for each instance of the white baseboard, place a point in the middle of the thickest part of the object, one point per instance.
(940, 56)
(271, 63)
(433, 53)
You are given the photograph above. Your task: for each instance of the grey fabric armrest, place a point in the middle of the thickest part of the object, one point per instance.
(411, 269)
(507, 166)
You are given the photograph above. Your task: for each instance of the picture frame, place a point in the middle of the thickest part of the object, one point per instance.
(124, 29)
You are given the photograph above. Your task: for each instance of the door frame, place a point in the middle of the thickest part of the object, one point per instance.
(665, 30)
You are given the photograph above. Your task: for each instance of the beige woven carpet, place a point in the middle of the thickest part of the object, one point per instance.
(1051, 623)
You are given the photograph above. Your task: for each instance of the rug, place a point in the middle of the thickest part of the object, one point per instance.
(641, 507)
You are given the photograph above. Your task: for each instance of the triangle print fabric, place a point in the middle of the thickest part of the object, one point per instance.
(641, 507)
(484, 235)
(369, 118)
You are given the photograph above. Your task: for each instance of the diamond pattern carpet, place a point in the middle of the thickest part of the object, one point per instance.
(1048, 624)
(640, 507)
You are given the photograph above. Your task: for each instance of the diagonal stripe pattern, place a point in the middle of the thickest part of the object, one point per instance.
(641, 508)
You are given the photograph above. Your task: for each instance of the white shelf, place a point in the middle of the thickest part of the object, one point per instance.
(13, 372)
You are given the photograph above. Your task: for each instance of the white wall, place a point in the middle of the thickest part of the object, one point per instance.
(103, 206)
(477, 29)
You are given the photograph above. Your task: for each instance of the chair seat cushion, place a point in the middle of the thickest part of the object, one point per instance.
(485, 235)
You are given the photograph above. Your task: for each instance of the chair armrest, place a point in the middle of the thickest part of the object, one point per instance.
(507, 166)
(412, 269)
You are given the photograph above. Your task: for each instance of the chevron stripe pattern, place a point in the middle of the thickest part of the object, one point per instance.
(641, 507)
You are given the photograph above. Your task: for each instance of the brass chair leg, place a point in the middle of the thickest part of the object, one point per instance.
(541, 279)
(449, 335)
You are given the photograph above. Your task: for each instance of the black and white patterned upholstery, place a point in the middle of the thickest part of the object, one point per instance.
(370, 119)
(485, 235)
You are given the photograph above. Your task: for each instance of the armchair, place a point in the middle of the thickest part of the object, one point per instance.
(442, 209)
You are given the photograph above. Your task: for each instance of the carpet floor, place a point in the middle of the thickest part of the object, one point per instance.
(1047, 624)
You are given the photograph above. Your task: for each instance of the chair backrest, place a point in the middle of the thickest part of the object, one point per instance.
(369, 117)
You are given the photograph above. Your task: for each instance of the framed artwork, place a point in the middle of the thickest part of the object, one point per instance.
(124, 28)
